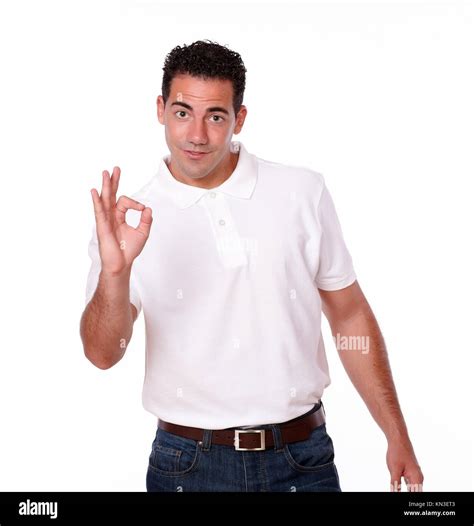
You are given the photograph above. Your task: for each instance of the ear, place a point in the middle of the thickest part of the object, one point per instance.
(240, 119)
(160, 103)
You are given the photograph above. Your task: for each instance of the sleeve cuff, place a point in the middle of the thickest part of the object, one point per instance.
(337, 284)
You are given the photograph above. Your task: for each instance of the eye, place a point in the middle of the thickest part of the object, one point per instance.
(180, 114)
(217, 117)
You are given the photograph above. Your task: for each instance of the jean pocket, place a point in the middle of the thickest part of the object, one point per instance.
(313, 454)
(173, 455)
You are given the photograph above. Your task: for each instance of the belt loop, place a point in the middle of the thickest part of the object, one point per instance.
(277, 437)
(206, 440)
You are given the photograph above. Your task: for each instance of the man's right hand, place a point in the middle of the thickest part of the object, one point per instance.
(119, 243)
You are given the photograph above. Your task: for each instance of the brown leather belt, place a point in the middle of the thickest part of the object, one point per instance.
(294, 430)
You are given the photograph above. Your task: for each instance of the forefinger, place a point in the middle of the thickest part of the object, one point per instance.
(126, 203)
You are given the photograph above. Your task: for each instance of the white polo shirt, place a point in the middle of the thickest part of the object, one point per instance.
(228, 282)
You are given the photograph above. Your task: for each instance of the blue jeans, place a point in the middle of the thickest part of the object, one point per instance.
(183, 464)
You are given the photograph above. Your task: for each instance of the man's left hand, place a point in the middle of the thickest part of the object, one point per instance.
(401, 462)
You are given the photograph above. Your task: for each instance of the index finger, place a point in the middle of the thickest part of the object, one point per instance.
(124, 204)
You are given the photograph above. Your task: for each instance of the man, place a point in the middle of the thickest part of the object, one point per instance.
(232, 273)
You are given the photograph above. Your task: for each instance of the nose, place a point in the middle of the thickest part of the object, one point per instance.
(197, 134)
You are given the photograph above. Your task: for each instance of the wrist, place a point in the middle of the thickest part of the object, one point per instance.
(397, 435)
(115, 285)
(116, 275)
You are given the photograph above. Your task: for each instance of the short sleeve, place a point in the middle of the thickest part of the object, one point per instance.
(94, 271)
(335, 269)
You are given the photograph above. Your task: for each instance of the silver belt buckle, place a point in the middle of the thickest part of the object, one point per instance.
(237, 439)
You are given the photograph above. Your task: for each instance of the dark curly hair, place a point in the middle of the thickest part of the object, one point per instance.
(205, 59)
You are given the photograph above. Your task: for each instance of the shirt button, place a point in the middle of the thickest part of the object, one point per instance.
(221, 222)
(212, 194)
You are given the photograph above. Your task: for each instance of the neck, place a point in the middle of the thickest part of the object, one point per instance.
(213, 179)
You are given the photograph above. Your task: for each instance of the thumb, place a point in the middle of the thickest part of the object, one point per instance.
(146, 220)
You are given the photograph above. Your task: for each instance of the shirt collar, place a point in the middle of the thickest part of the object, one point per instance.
(240, 183)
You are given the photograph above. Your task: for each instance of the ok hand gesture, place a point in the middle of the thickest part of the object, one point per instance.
(119, 243)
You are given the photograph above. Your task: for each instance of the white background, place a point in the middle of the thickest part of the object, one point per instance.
(375, 95)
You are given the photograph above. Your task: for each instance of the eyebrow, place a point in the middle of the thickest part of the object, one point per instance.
(209, 110)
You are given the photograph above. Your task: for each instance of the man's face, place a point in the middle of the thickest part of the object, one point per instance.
(199, 117)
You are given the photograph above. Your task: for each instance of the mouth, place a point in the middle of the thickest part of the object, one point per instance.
(195, 155)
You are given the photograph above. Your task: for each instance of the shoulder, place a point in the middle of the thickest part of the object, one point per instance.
(291, 176)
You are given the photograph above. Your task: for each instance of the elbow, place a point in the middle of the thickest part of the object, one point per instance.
(103, 366)
(96, 355)
(98, 359)
(99, 356)
(101, 353)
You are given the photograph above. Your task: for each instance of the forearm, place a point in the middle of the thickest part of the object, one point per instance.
(369, 370)
(362, 350)
(107, 324)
